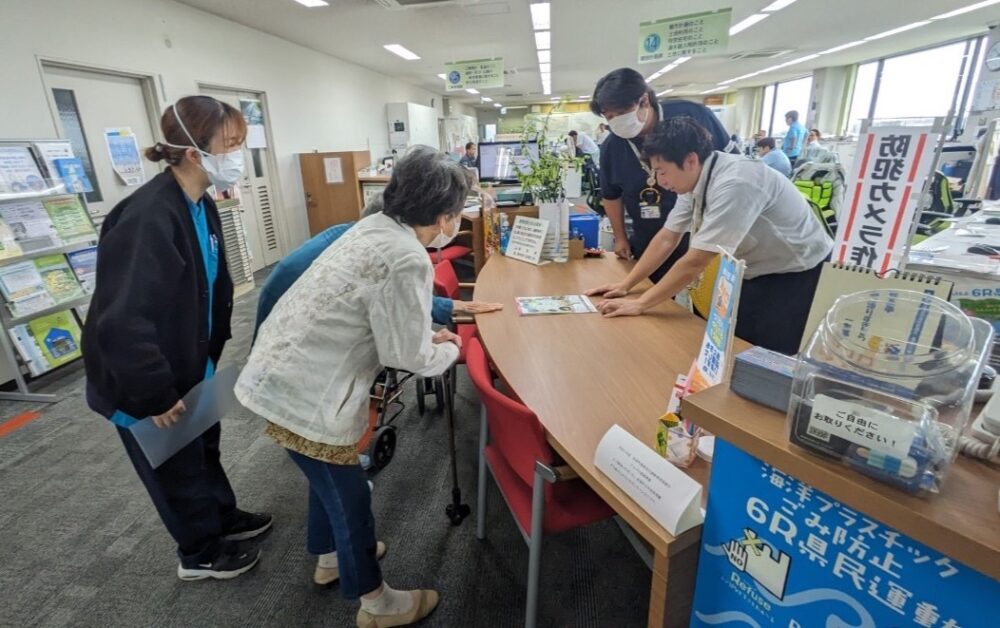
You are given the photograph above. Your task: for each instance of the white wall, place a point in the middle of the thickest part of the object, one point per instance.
(316, 101)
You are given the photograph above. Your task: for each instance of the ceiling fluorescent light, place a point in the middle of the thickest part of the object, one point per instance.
(442, 77)
(313, 3)
(540, 16)
(747, 23)
(799, 60)
(472, 90)
(555, 98)
(664, 92)
(896, 31)
(545, 68)
(584, 96)
(544, 56)
(543, 40)
(496, 104)
(845, 46)
(396, 49)
(971, 7)
(670, 66)
(487, 99)
(713, 90)
(777, 5)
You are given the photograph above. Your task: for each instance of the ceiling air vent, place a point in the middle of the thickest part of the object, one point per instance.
(760, 54)
(421, 4)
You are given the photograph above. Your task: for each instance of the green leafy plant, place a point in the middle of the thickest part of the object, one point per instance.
(544, 176)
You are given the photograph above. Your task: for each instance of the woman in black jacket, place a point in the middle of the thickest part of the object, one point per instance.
(158, 322)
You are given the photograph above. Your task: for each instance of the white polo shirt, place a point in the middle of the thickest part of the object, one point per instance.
(755, 213)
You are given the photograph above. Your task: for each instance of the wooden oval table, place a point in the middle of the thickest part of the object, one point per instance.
(582, 374)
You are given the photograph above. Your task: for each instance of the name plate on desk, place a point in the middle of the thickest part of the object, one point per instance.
(527, 239)
(664, 491)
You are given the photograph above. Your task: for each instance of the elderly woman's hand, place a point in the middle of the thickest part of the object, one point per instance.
(446, 336)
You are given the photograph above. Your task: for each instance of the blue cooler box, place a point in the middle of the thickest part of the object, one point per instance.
(588, 226)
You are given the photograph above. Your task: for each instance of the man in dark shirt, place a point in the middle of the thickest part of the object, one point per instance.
(627, 182)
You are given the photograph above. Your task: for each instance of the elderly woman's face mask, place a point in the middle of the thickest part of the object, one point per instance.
(443, 239)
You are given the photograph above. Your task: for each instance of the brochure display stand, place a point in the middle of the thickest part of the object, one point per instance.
(48, 261)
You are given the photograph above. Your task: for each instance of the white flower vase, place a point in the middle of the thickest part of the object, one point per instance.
(557, 240)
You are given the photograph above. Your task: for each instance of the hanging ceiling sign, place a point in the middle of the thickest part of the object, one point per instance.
(478, 73)
(685, 36)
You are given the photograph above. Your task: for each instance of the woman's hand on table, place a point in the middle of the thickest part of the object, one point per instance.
(171, 416)
(609, 290)
(444, 336)
(621, 307)
(476, 307)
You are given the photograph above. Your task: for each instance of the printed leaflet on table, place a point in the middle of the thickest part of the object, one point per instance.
(568, 304)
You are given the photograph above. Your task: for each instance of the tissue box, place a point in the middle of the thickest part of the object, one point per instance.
(588, 226)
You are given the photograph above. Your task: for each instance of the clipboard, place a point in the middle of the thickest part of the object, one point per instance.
(206, 404)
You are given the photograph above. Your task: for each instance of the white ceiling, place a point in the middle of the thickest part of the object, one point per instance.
(591, 37)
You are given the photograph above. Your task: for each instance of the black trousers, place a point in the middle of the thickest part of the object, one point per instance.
(191, 493)
(774, 308)
(639, 242)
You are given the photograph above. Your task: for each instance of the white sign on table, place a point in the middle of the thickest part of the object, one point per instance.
(661, 489)
(890, 168)
(527, 239)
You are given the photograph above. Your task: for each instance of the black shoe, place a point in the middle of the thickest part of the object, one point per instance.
(248, 525)
(231, 562)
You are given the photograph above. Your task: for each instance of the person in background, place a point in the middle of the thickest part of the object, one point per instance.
(774, 157)
(628, 183)
(362, 305)
(795, 137)
(735, 203)
(293, 265)
(469, 158)
(584, 144)
(158, 322)
(813, 149)
(602, 133)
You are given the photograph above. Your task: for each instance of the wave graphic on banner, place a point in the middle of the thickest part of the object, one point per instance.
(807, 597)
(727, 617)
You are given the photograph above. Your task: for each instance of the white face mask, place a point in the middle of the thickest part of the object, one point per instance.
(225, 170)
(627, 125)
(442, 239)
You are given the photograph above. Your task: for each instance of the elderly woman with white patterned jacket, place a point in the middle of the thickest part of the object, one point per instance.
(362, 305)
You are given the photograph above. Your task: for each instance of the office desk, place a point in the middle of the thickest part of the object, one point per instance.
(961, 522)
(581, 374)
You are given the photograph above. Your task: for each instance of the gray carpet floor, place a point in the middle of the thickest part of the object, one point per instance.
(80, 543)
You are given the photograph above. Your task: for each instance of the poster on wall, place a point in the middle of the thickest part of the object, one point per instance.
(253, 113)
(124, 151)
(478, 73)
(887, 181)
(685, 36)
(777, 552)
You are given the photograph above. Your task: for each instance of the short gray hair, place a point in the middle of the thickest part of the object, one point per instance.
(425, 184)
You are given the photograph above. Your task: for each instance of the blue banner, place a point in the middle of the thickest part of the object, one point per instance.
(776, 552)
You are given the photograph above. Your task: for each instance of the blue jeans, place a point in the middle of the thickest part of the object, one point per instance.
(341, 520)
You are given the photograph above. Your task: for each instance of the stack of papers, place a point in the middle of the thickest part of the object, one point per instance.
(764, 376)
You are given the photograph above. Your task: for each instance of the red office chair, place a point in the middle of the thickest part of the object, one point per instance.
(446, 285)
(450, 253)
(543, 497)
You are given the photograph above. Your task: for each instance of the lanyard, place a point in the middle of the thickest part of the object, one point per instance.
(649, 192)
(699, 210)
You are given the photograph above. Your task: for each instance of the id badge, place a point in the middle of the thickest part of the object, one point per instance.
(649, 211)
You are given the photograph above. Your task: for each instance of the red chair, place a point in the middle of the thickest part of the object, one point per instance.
(450, 253)
(446, 285)
(544, 498)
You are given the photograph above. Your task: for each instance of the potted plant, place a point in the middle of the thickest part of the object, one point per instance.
(545, 178)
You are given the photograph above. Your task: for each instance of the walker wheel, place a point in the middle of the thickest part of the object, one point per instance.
(383, 446)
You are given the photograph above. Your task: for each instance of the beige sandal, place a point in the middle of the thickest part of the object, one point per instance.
(327, 576)
(424, 603)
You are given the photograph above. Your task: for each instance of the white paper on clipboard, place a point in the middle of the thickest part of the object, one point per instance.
(206, 404)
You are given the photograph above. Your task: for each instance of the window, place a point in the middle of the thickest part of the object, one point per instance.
(919, 85)
(779, 99)
(861, 102)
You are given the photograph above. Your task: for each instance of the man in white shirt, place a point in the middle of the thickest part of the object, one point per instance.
(586, 145)
(744, 207)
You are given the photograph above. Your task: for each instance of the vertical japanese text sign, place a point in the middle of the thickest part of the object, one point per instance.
(888, 177)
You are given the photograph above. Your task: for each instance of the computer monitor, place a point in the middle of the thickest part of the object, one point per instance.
(497, 160)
